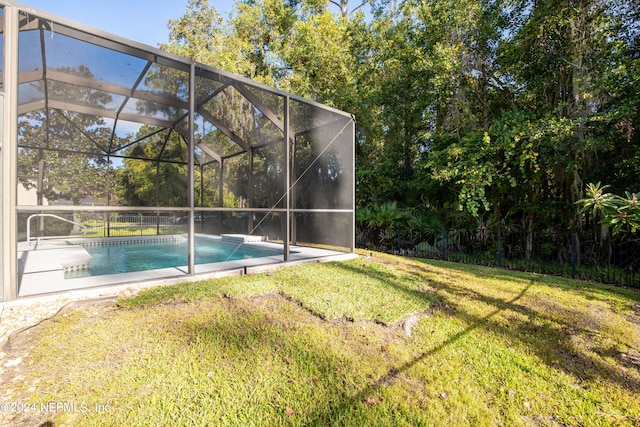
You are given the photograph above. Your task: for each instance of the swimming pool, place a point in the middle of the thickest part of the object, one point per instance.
(129, 256)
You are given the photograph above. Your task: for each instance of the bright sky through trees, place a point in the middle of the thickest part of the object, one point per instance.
(143, 21)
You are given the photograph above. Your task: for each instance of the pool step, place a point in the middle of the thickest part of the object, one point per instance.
(242, 238)
(67, 258)
(77, 260)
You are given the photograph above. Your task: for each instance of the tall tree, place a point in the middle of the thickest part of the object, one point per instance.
(62, 154)
(154, 174)
(548, 118)
(495, 107)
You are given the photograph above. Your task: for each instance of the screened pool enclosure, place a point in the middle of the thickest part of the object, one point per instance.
(105, 140)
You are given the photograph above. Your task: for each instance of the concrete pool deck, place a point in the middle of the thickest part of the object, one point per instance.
(43, 267)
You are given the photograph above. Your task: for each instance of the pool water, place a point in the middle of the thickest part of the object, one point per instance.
(125, 258)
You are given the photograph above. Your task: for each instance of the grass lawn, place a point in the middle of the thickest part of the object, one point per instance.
(375, 341)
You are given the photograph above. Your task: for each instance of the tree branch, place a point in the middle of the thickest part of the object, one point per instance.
(361, 4)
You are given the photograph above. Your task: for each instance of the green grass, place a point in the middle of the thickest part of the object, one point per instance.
(584, 271)
(327, 344)
(124, 231)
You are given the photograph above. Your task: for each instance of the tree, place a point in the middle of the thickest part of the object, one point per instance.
(155, 173)
(62, 153)
(200, 34)
(556, 57)
(499, 108)
(546, 120)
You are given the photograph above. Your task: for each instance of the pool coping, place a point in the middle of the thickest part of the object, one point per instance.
(42, 271)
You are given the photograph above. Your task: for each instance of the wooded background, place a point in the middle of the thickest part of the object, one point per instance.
(481, 119)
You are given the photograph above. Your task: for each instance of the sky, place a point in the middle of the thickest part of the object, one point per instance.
(143, 21)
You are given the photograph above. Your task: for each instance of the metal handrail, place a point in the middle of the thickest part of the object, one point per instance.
(53, 216)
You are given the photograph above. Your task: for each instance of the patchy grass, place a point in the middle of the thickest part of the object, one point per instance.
(358, 289)
(379, 341)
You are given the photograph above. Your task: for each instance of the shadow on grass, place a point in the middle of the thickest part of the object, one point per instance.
(550, 339)
(456, 337)
(250, 334)
(391, 279)
(389, 378)
(587, 287)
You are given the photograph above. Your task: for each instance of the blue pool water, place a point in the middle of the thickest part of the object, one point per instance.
(134, 256)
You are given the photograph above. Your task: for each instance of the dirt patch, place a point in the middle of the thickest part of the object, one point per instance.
(631, 359)
(22, 376)
(634, 317)
(16, 362)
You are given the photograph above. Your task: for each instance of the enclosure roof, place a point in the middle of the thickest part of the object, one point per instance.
(117, 92)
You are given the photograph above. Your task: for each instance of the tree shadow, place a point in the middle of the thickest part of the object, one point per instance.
(552, 345)
(391, 280)
(260, 326)
(549, 338)
(593, 288)
(322, 365)
(349, 404)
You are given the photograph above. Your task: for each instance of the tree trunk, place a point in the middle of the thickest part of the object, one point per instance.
(580, 92)
(529, 241)
(76, 220)
(605, 244)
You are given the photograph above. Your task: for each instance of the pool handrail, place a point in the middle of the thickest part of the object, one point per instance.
(84, 229)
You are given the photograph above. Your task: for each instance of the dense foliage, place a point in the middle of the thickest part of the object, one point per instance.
(471, 113)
